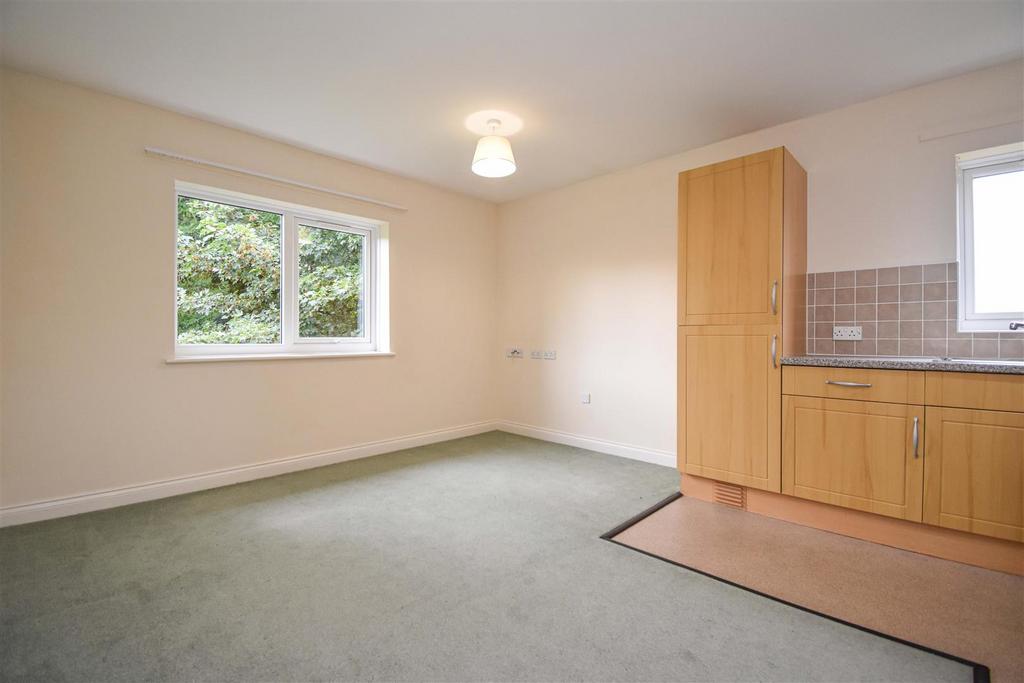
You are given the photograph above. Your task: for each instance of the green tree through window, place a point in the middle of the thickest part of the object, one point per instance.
(229, 274)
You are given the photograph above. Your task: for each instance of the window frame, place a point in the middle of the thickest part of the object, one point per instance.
(971, 165)
(375, 339)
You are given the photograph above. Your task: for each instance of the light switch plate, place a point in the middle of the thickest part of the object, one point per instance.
(847, 333)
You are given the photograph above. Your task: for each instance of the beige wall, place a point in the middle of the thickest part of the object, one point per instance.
(87, 308)
(590, 270)
(86, 314)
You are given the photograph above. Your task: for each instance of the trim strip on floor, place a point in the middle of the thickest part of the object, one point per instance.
(981, 672)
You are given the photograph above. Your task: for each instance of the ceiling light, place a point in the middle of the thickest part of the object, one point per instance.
(493, 158)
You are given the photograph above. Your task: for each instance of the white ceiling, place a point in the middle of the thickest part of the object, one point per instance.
(600, 86)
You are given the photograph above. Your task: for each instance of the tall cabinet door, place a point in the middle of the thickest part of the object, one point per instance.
(974, 471)
(730, 404)
(730, 241)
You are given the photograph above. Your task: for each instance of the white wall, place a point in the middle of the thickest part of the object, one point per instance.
(87, 310)
(590, 270)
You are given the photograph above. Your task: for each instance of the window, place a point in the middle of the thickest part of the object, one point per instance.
(990, 244)
(257, 277)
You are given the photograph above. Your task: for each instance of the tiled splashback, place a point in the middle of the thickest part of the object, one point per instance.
(905, 311)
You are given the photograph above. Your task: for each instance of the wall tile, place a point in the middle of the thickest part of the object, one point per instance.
(867, 278)
(888, 347)
(910, 329)
(934, 347)
(824, 280)
(910, 292)
(1011, 349)
(845, 348)
(844, 313)
(911, 274)
(935, 291)
(934, 310)
(910, 347)
(888, 311)
(888, 276)
(865, 348)
(935, 272)
(866, 312)
(905, 311)
(845, 295)
(866, 295)
(888, 329)
(959, 348)
(910, 311)
(888, 293)
(934, 329)
(986, 348)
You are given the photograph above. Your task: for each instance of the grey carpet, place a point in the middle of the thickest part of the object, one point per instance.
(475, 559)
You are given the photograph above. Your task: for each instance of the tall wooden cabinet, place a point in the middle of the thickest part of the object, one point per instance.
(742, 271)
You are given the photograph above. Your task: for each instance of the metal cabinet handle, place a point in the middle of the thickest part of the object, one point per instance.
(1016, 324)
(917, 437)
(846, 384)
(775, 297)
(775, 341)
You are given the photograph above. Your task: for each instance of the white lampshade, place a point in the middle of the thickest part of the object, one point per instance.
(493, 158)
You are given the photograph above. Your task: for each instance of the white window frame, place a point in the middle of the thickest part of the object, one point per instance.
(376, 333)
(971, 165)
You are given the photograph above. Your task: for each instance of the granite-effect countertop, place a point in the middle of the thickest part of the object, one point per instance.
(1002, 367)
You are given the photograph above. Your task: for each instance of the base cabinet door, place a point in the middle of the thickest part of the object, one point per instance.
(974, 471)
(857, 454)
(730, 404)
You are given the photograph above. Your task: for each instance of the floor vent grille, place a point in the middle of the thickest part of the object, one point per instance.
(729, 494)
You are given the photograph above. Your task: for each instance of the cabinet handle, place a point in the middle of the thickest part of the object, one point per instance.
(775, 341)
(838, 383)
(775, 296)
(917, 438)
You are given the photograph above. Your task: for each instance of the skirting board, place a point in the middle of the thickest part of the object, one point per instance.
(656, 457)
(101, 500)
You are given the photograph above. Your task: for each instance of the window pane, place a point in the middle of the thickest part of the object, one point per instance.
(330, 282)
(229, 274)
(998, 242)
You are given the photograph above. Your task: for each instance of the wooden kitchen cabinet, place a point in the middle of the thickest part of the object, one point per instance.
(857, 454)
(730, 403)
(731, 240)
(974, 468)
(742, 305)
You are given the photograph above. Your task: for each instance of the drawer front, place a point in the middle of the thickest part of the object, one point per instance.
(855, 454)
(886, 386)
(975, 390)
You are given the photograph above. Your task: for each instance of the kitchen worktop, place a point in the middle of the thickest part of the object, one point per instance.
(1003, 367)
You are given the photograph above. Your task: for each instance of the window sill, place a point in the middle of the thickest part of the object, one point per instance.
(275, 356)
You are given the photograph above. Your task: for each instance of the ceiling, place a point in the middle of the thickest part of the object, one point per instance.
(600, 86)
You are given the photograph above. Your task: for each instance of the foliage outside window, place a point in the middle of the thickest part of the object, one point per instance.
(258, 277)
(990, 222)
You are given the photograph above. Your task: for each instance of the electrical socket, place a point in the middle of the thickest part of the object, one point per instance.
(585, 398)
(549, 355)
(536, 355)
(848, 333)
(513, 352)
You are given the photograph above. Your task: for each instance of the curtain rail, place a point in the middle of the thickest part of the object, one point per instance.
(266, 176)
